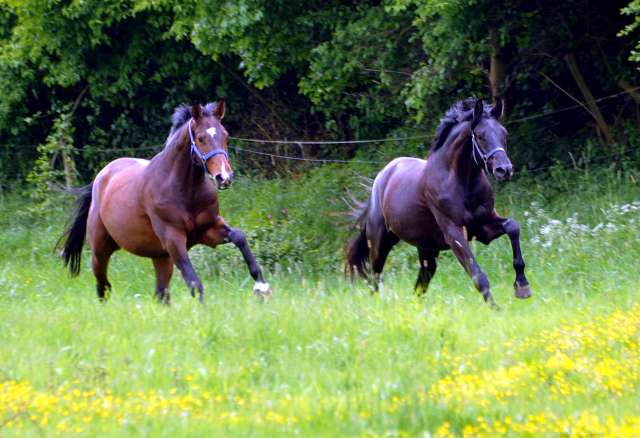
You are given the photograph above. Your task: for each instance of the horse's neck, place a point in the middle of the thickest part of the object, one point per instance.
(177, 160)
(457, 157)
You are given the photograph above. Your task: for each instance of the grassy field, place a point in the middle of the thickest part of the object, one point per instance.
(323, 358)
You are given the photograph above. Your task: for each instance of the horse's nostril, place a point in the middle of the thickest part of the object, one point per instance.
(219, 179)
(500, 171)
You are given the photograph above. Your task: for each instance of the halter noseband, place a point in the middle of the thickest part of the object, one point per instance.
(484, 157)
(204, 158)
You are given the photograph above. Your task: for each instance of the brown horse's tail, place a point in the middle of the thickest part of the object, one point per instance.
(356, 250)
(76, 232)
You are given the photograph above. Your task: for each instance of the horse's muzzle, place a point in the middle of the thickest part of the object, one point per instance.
(223, 183)
(503, 172)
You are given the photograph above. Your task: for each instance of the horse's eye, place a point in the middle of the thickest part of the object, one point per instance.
(200, 139)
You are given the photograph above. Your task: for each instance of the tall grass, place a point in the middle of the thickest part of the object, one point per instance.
(323, 357)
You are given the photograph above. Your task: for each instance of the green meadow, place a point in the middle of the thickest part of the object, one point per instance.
(324, 358)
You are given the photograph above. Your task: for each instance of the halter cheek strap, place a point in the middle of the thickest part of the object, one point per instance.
(484, 157)
(204, 158)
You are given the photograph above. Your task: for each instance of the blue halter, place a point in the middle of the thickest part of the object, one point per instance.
(204, 158)
(484, 157)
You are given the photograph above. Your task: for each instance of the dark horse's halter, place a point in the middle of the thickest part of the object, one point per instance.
(204, 158)
(484, 157)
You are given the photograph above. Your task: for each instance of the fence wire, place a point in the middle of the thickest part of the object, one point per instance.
(301, 143)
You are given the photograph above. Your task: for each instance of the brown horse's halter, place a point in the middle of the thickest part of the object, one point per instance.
(204, 158)
(484, 157)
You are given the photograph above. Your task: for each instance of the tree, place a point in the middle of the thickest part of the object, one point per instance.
(107, 61)
(632, 8)
(110, 72)
(357, 78)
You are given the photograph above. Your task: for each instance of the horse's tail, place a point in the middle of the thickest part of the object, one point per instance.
(76, 232)
(356, 249)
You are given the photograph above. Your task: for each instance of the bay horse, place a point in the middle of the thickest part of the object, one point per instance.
(442, 202)
(162, 207)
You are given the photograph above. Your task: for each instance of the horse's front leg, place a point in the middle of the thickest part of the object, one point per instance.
(222, 233)
(174, 242)
(456, 238)
(495, 228)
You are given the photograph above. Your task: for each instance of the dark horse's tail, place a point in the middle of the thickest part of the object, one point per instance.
(356, 250)
(76, 232)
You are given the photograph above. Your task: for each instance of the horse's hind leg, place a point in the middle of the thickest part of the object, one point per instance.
(102, 247)
(428, 265)
(164, 271)
(381, 245)
(100, 263)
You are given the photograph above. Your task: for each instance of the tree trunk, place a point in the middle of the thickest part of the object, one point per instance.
(67, 164)
(67, 159)
(497, 69)
(633, 91)
(588, 97)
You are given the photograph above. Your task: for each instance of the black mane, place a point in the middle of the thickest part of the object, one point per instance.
(461, 111)
(182, 115)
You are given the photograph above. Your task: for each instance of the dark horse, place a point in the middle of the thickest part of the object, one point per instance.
(162, 207)
(441, 203)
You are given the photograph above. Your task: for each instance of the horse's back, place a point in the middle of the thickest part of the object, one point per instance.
(120, 166)
(405, 164)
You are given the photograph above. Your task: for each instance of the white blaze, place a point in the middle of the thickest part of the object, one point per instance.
(223, 173)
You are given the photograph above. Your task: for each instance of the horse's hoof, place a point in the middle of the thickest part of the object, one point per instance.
(492, 304)
(522, 291)
(262, 290)
(262, 296)
(488, 299)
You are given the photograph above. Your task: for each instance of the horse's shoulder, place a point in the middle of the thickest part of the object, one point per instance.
(483, 190)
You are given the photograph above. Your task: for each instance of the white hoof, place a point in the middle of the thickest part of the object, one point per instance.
(262, 289)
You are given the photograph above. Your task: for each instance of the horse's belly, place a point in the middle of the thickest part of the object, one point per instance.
(132, 231)
(421, 234)
(141, 241)
(413, 222)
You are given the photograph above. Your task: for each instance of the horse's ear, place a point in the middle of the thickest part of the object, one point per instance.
(219, 111)
(498, 109)
(196, 111)
(478, 113)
